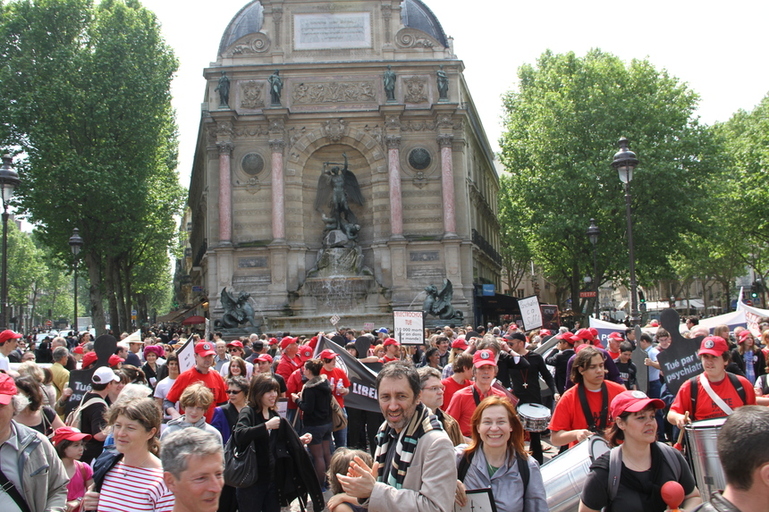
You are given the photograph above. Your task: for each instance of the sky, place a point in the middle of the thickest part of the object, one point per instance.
(717, 48)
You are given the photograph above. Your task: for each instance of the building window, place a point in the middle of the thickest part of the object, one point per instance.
(521, 293)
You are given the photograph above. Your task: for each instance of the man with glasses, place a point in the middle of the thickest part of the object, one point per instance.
(432, 397)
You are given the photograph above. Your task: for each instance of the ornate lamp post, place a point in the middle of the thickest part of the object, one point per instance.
(592, 234)
(9, 180)
(625, 162)
(75, 244)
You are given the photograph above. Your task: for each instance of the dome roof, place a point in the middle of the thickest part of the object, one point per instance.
(248, 20)
(415, 14)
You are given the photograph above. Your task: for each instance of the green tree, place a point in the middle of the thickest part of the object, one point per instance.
(89, 95)
(562, 128)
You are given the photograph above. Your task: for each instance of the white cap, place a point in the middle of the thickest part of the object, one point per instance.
(104, 375)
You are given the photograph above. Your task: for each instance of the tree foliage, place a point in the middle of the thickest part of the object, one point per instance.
(562, 128)
(88, 89)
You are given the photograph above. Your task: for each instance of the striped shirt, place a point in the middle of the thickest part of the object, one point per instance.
(133, 489)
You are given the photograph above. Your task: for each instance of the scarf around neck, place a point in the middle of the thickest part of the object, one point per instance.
(422, 422)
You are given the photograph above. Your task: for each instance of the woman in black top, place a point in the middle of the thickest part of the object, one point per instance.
(258, 423)
(36, 415)
(315, 402)
(645, 465)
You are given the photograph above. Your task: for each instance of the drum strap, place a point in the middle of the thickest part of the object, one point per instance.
(713, 396)
(604, 413)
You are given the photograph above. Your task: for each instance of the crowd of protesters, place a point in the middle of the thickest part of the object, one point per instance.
(460, 389)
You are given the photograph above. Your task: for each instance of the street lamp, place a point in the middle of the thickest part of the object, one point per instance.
(9, 180)
(592, 234)
(75, 244)
(625, 162)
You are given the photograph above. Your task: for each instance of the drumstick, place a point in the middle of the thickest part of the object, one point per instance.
(678, 446)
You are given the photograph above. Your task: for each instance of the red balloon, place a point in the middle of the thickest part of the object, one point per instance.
(672, 494)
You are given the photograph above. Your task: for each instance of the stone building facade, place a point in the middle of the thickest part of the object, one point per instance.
(420, 155)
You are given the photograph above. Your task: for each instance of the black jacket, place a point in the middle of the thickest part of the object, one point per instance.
(294, 473)
(316, 402)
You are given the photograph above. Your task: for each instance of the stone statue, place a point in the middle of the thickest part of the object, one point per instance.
(389, 83)
(337, 187)
(276, 86)
(438, 303)
(443, 84)
(236, 311)
(224, 90)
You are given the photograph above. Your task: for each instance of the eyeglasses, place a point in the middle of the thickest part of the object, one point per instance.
(234, 350)
(434, 389)
(234, 391)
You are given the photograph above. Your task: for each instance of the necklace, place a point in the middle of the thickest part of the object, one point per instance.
(129, 468)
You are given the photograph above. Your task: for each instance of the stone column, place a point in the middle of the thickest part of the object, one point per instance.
(394, 171)
(278, 191)
(225, 192)
(447, 184)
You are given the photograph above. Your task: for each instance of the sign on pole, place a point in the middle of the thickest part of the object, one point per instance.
(186, 355)
(408, 327)
(530, 312)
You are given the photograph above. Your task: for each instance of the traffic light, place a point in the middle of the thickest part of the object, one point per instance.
(641, 297)
(755, 289)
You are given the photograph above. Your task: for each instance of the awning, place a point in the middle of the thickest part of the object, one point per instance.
(194, 320)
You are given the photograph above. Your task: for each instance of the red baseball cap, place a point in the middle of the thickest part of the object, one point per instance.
(744, 334)
(567, 337)
(305, 353)
(204, 349)
(616, 336)
(9, 335)
(236, 343)
(545, 332)
(584, 334)
(78, 350)
(390, 341)
(327, 354)
(89, 359)
(115, 360)
(460, 343)
(633, 401)
(265, 357)
(713, 345)
(68, 434)
(288, 340)
(273, 341)
(483, 358)
(7, 388)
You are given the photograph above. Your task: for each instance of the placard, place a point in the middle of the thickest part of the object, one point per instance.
(530, 312)
(679, 362)
(409, 327)
(186, 355)
(331, 31)
(478, 500)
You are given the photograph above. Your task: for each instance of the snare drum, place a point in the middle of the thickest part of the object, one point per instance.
(564, 476)
(702, 439)
(534, 417)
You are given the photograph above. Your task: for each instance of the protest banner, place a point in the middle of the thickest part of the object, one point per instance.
(409, 327)
(362, 393)
(80, 380)
(530, 312)
(679, 362)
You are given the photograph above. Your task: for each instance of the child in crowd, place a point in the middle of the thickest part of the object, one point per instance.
(195, 401)
(627, 369)
(68, 442)
(340, 462)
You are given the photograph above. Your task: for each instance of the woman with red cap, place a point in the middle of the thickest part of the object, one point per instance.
(642, 464)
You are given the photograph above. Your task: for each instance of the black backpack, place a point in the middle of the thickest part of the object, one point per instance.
(694, 385)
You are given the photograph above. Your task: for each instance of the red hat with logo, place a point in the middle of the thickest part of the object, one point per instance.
(236, 343)
(265, 357)
(483, 358)
(567, 337)
(327, 354)
(460, 343)
(745, 335)
(115, 360)
(305, 353)
(390, 341)
(584, 334)
(273, 341)
(89, 359)
(616, 336)
(288, 340)
(205, 349)
(633, 401)
(68, 434)
(713, 345)
(7, 388)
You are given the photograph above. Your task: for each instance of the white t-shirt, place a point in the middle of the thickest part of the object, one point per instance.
(162, 389)
(4, 363)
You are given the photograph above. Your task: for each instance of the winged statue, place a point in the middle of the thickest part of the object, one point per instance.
(236, 310)
(438, 302)
(337, 188)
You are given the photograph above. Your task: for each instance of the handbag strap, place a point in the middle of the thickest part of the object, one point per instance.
(11, 490)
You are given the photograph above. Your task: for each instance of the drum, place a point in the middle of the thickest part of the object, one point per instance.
(565, 475)
(534, 417)
(701, 440)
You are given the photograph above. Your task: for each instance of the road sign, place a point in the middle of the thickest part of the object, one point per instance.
(49, 323)
(587, 295)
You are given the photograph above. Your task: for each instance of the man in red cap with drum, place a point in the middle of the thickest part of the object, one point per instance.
(714, 393)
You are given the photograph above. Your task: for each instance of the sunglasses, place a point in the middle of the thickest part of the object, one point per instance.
(234, 391)
(235, 350)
